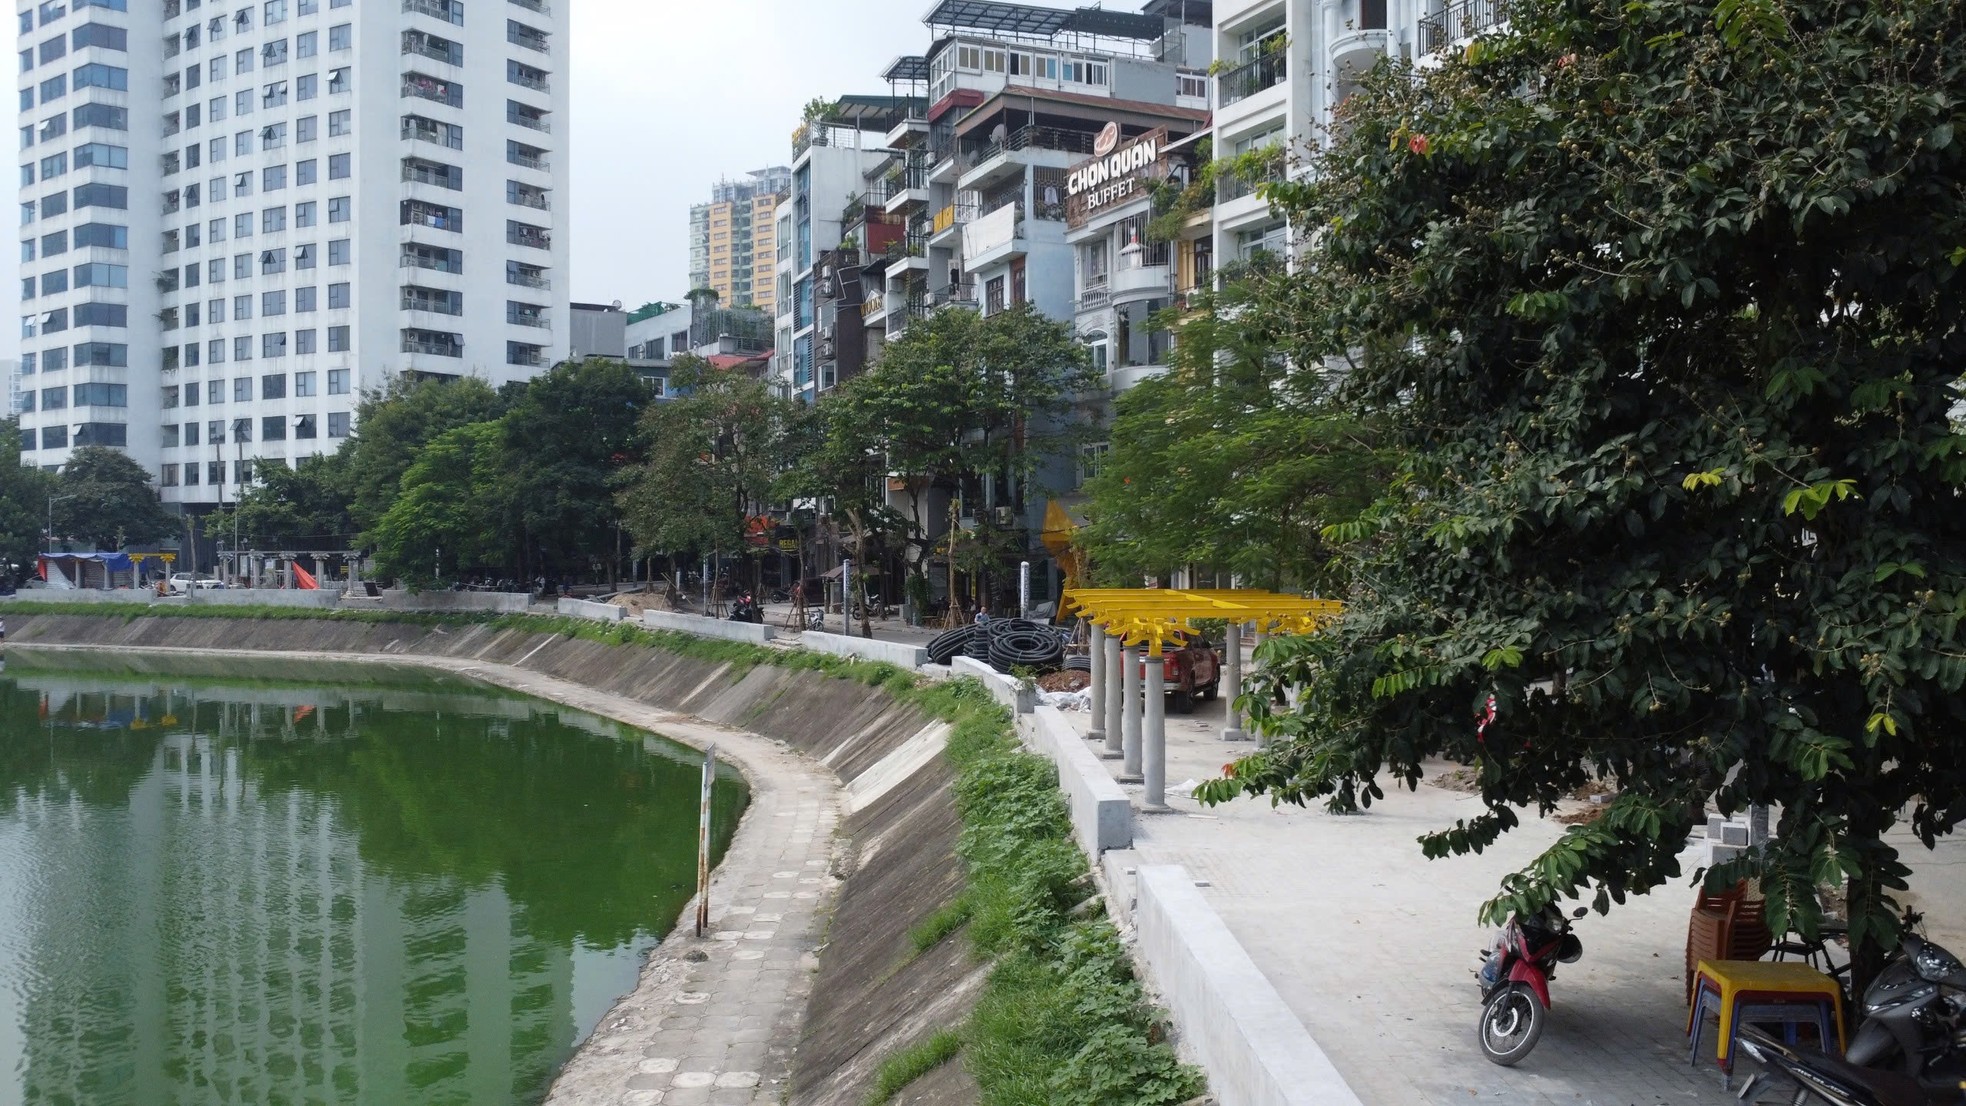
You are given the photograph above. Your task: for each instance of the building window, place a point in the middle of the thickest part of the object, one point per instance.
(337, 424)
(337, 379)
(337, 343)
(273, 428)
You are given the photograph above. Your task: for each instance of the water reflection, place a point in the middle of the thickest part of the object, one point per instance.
(215, 890)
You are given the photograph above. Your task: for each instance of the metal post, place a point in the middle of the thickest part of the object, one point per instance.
(1130, 714)
(1153, 738)
(1232, 683)
(1115, 696)
(703, 844)
(846, 596)
(1096, 652)
(706, 589)
(1023, 589)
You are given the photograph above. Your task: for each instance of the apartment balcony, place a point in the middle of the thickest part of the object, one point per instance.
(530, 237)
(906, 133)
(431, 305)
(450, 11)
(528, 38)
(420, 87)
(987, 163)
(414, 130)
(527, 80)
(429, 343)
(527, 196)
(874, 311)
(1250, 78)
(412, 259)
(1362, 41)
(531, 119)
(1460, 22)
(962, 294)
(906, 191)
(528, 278)
(419, 44)
(528, 316)
(947, 226)
(1145, 281)
(540, 6)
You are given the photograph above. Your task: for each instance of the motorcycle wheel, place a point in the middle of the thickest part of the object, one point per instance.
(1511, 1023)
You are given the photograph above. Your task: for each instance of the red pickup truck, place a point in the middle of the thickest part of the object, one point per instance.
(1191, 669)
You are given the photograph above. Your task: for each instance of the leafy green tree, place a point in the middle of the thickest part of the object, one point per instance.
(960, 399)
(393, 425)
(567, 435)
(1230, 460)
(449, 508)
(24, 492)
(1672, 319)
(109, 501)
(711, 456)
(306, 506)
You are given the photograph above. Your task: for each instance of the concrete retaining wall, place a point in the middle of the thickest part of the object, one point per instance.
(723, 628)
(262, 597)
(594, 612)
(80, 595)
(1102, 817)
(504, 602)
(907, 656)
(1019, 699)
(1255, 1050)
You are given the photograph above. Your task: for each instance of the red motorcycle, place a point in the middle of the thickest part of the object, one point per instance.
(1515, 981)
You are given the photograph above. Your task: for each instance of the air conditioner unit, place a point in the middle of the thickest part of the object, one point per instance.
(1004, 516)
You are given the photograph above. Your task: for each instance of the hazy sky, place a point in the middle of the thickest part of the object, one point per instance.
(670, 95)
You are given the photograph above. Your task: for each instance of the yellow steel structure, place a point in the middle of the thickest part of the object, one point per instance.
(1150, 616)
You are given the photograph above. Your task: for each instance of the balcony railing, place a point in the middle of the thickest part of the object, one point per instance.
(528, 280)
(539, 6)
(537, 84)
(533, 41)
(1234, 186)
(953, 216)
(435, 264)
(527, 161)
(450, 11)
(1248, 79)
(435, 346)
(537, 240)
(536, 122)
(962, 294)
(528, 199)
(433, 135)
(1462, 20)
(527, 318)
(1041, 138)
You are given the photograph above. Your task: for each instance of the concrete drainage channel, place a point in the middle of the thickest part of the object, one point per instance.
(895, 789)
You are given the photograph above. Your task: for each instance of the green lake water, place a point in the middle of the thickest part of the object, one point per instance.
(325, 884)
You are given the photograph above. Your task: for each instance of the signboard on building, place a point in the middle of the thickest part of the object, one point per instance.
(1118, 172)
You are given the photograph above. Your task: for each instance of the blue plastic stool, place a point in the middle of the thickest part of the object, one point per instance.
(1790, 1015)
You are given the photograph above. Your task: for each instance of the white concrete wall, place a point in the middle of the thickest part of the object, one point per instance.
(79, 596)
(1102, 816)
(1006, 689)
(597, 612)
(261, 597)
(1231, 1020)
(721, 628)
(868, 649)
(506, 602)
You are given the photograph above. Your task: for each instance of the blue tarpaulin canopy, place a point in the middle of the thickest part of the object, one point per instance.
(114, 562)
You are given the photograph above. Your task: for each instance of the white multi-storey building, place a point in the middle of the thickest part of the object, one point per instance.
(238, 216)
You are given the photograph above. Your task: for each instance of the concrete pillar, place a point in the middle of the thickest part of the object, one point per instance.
(1109, 646)
(1232, 683)
(1130, 734)
(320, 571)
(1153, 737)
(1096, 651)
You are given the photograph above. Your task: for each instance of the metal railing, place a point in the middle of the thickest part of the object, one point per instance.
(961, 294)
(1248, 79)
(954, 215)
(1235, 186)
(1042, 138)
(536, 241)
(525, 81)
(431, 346)
(528, 280)
(1461, 20)
(537, 123)
(527, 161)
(539, 6)
(529, 41)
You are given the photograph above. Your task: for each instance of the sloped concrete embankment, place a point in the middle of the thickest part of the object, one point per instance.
(871, 996)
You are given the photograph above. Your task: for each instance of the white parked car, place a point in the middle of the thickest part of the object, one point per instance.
(184, 580)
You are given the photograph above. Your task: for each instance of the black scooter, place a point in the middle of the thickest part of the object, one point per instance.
(1915, 1014)
(1839, 1082)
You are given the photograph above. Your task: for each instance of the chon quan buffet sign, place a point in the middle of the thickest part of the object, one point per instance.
(1117, 172)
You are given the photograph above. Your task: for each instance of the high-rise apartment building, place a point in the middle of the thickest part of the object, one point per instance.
(238, 215)
(732, 248)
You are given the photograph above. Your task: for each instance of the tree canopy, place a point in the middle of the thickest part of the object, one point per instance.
(303, 507)
(711, 457)
(1229, 460)
(1670, 318)
(449, 509)
(108, 501)
(24, 492)
(568, 433)
(394, 424)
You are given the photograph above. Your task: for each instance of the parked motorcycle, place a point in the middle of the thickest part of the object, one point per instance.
(1840, 1082)
(1915, 1014)
(1514, 978)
